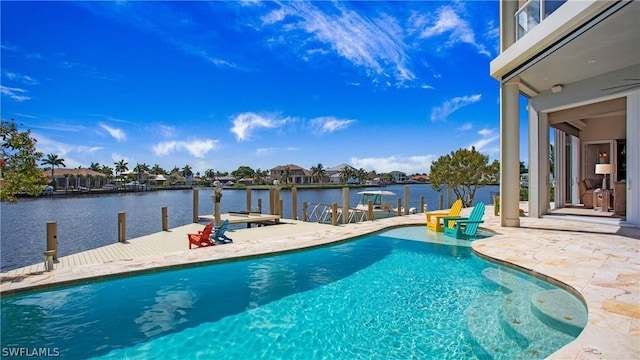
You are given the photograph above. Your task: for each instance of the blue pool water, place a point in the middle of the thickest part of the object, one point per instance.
(388, 295)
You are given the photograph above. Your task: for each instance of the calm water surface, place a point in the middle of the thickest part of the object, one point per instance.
(91, 221)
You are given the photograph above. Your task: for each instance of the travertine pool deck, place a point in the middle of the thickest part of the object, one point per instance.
(600, 262)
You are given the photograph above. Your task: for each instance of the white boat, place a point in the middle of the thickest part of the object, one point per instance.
(381, 209)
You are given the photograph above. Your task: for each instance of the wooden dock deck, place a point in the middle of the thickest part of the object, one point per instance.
(172, 241)
(244, 218)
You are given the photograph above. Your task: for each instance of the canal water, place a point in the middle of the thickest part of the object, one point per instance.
(90, 221)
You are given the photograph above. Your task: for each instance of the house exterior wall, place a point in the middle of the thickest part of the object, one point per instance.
(518, 59)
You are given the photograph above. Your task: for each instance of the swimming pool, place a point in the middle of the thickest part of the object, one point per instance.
(388, 295)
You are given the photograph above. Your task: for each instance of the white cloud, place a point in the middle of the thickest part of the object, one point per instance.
(466, 127)
(68, 152)
(375, 44)
(25, 79)
(165, 130)
(14, 93)
(198, 148)
(116, 133)
(329, 124)
(450, 106)
(447, 21)
(246, 123)
(410, 165)
(487, 138)
(265, 151)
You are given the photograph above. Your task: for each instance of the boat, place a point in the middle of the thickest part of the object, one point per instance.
(381, 209)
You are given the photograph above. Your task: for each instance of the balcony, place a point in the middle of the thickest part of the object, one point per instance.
(532, 13)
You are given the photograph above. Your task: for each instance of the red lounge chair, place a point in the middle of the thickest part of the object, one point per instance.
(201, 239)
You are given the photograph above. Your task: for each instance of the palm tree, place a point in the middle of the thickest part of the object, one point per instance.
(95, 166)
(286, 174)
(209, 174)
(187, 172)
(260, 176)
(107, 170)
(53, 160)
(157, 170)
(362, 175)
(140, 169)
(121, 167)
(318, 173)
(346, 173)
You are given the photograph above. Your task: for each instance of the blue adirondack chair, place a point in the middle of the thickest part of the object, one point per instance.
(465, 227)
(218, 233)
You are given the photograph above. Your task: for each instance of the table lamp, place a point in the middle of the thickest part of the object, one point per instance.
(604, 169)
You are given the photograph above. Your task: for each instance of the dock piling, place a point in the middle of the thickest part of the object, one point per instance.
(294, 203)
(305, 216)
(48, 260)
(52, 238)
(122, 226)
(165, 219)
(195, 205)
(406, 199)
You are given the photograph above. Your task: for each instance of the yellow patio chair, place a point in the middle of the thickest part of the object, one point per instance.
(433, 217)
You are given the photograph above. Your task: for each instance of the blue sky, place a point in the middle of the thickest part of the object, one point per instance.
(216, 85)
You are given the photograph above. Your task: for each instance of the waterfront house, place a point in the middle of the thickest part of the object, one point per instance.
(576, 65)
(398, 177)
(77, 179)
(334, 174)
(297, 174)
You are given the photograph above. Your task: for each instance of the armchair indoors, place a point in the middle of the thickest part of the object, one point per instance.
(586, 188)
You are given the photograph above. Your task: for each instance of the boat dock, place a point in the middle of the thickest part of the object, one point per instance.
(244, 217)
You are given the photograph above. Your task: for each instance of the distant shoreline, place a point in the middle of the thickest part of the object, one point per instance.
(97, 192)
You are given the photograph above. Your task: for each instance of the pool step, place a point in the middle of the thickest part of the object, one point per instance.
(556, 308)
(484, 324)
(524, 314)
(559, 310)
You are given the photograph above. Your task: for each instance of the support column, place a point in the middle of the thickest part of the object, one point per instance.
(560, 169)
(633, 153)
(539, 180)
(509, 155)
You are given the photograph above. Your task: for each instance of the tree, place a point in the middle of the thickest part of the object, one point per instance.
(140, 169)
(53, 160)
(346, 173)
(187, 172)
(19, 170)
(464, 171)
(523, 168)
(243, 172)
(157, 170)
(121, 167)
(260, 176)
(209, 175)
(362, 175)
(286, 174)
(318, 173)
(107, 170)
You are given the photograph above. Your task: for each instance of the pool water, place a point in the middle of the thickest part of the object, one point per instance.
(397, 294)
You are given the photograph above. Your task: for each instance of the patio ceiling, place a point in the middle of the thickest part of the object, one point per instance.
(612, 44)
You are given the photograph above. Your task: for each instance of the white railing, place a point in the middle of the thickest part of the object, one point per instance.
(323, 213)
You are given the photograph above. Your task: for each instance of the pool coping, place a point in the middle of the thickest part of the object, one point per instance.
(603, 269)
